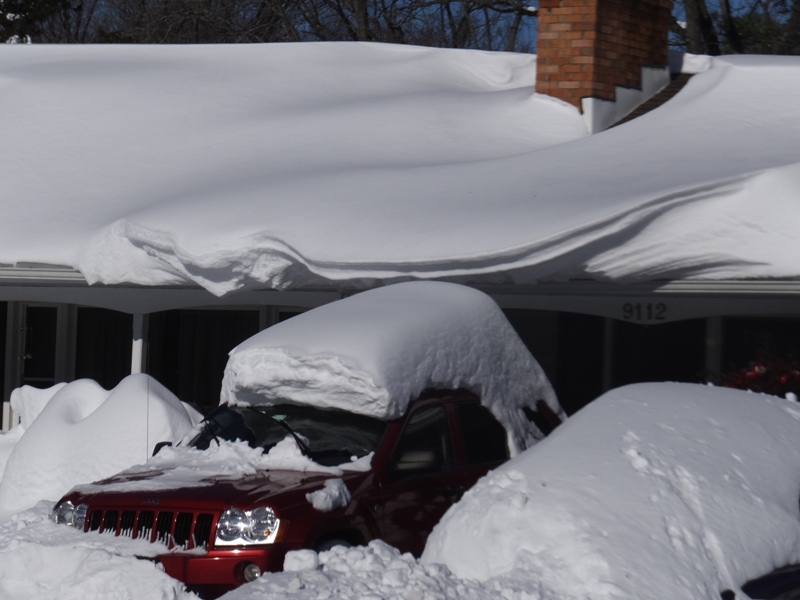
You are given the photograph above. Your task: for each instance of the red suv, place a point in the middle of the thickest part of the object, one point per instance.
(339, 455)
(227, 533)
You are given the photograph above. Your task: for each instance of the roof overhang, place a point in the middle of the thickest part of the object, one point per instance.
(646, 302)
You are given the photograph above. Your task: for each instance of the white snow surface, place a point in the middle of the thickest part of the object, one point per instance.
(654, 491)
(80, 432)
(182, 466)
(374, 352)
(283, 165)
(334, 494)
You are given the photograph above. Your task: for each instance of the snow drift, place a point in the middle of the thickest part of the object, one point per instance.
(284, 165)
(82, 433)
(653, 491)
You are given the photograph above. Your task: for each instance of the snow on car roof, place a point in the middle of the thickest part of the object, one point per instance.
(653, 491)
(374, 352)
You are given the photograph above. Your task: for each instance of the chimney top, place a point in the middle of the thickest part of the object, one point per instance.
(589, 48)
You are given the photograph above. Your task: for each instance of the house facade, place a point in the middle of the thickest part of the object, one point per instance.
(589, 337)
(605, 57)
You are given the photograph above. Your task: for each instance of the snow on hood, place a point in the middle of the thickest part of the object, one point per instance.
(182, 467)
(248, 165)
(83, 432)
(374, 352)
(653, 491)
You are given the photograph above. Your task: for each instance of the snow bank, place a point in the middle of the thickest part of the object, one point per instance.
(40, 560)
(653, 491)
(374, 352)
(372, 572)
(84, 433)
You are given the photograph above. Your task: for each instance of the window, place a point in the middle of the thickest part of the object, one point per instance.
(484, 438)
(424, 445)
(188, 349)
(103, 345)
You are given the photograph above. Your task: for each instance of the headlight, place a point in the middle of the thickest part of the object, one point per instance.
(239, 527)
(67, 513)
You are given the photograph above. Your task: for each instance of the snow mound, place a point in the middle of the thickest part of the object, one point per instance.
(651, 491)
(84, 433)
(374, 572)
(40, 560)
(374, 352)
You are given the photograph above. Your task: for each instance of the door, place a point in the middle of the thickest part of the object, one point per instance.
(39, 361)
(37, 349)
(421, 482)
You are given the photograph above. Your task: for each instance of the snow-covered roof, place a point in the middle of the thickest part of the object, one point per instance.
(284, 165)
(374, 352)
(652, 491)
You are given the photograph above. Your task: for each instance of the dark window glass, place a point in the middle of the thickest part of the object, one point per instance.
(188, 349)
(103, 346)
(579, 378)
(39, 367)
(666, 352)
(328, 437)
(425, 445)
(485, 439)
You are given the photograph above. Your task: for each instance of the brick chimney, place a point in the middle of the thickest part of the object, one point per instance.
(591, 50)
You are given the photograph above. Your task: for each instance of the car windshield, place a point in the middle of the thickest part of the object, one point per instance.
(328, 437)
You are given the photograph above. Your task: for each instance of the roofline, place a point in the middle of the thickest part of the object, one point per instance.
(680, 299)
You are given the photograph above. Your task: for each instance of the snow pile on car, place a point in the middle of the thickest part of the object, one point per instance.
(653, 491)
(374, 352)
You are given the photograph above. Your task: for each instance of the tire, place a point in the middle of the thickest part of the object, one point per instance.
(332, 543)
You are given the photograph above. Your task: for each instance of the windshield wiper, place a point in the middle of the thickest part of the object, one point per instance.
(209, 418)
(300, 443)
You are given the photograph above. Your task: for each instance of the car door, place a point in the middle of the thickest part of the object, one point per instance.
(421, 480)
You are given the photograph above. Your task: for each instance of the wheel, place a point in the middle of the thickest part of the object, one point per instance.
(331, 543)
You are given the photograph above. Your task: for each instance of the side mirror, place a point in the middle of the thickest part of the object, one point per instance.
(157, 448)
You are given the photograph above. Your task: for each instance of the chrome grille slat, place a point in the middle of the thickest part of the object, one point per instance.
(176, 529)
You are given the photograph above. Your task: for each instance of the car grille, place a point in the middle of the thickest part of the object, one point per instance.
(176, 529)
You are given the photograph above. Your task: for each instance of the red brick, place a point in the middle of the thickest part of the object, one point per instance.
(587, 47)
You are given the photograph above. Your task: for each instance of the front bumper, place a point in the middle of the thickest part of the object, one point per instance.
(222, 568)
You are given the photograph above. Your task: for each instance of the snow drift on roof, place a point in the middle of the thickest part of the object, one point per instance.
(282, 165)
(374, 352)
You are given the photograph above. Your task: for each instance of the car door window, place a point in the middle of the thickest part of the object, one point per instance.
(485, 439)
(425, 446)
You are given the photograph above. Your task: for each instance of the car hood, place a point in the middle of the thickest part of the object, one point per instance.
(170, 487)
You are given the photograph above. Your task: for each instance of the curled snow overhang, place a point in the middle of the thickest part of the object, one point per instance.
(283, 166)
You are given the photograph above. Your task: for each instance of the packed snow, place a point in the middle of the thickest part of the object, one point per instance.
(654, 491)
(79, 432)
(374, 352)
(334, 494)
(284, 165)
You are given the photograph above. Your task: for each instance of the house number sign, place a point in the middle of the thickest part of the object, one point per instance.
(644, 312)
